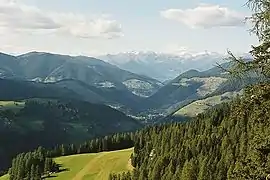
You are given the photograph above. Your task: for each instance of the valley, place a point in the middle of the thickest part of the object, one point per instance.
(136, 95)
(57, 104)
(134, 90)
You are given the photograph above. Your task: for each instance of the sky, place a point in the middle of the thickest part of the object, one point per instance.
(96, 27)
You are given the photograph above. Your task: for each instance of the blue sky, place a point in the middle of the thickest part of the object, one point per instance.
(92, 27)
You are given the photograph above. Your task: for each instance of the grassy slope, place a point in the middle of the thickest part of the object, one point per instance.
(200, 106)
(96, 166)
(11, 105)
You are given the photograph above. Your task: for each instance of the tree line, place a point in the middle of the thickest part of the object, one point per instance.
(108, 143)
(39, 163)
(32, 166)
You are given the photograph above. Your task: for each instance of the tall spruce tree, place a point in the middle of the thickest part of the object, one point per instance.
(260, 63)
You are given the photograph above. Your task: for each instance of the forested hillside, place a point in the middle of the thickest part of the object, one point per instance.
(47, 123)
(19, 90)
(228, 142)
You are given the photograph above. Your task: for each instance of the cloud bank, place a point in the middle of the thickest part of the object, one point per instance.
(17, 17)
(205, 16)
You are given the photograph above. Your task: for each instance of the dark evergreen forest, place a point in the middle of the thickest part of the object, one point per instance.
(228, 142)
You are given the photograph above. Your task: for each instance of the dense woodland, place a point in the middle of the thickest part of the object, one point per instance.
(227, 142)
(32, 166)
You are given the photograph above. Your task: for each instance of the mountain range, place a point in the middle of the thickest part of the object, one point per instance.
(47, 67)
(97, 81)
(163, 66)
(101, 82)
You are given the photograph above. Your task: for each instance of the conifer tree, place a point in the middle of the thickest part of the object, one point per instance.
(203, 171)
(189, 171)
(33, 172)
(260, 63)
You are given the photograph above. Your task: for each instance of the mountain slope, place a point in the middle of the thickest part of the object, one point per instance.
(193, 85)
(48, 67)
(188, 86)
(17, 89)
(9, 66)
(118, 98)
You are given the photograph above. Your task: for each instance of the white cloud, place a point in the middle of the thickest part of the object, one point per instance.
(18, 17)
(205, 16)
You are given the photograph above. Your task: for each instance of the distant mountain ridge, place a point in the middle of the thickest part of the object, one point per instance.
(52, 68)
(171, 65)
(96, 81)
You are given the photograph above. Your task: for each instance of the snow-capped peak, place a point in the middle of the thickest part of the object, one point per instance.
(164, 65)
(148, 56)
